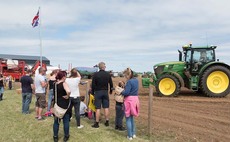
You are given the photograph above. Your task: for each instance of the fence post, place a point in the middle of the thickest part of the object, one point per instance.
(150, 112)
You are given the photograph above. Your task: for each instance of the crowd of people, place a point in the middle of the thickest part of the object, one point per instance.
(63, 89)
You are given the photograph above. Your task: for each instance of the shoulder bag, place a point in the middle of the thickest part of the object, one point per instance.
(57, 110)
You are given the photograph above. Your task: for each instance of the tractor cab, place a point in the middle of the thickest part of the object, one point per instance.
(197, 57)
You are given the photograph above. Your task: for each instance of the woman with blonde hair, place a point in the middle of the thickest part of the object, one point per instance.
(73, 83)
(131, 102)
(51, 81)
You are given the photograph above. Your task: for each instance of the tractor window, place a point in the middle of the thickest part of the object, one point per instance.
(196, 56)
(210, 55)
(188, 56)
(203, 56)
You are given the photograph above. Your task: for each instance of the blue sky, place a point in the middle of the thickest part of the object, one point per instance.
(122, 33)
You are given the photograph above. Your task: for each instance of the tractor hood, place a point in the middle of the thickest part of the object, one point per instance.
(170, 63)
(166, 67)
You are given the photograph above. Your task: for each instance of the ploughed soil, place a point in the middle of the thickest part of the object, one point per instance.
(188, 117)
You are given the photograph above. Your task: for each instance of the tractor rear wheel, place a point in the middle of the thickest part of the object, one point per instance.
(168, 85)
(215, 81)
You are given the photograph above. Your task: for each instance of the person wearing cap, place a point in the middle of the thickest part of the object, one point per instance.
(101, 83)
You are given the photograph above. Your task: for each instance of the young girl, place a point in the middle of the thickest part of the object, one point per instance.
(131, 102)
(119, 111)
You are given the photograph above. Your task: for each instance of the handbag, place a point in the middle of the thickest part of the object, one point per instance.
(117, 96)
(57, 110)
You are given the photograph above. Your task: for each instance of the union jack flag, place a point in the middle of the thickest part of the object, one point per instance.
(35, 21)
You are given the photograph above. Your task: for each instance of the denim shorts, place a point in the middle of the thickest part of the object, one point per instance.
(101, 98)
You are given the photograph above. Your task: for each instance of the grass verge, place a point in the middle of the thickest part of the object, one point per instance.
(17, 127)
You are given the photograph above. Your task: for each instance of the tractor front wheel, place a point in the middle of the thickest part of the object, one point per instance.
(215, 81)
(168, 85)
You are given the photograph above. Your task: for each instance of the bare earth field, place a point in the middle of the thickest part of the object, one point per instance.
(188, 117)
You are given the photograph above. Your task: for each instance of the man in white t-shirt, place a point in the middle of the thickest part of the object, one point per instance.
(40, 83)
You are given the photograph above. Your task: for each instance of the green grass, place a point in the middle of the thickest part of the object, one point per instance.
(16, 127)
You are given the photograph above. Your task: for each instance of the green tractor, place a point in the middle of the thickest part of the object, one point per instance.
(198, 71)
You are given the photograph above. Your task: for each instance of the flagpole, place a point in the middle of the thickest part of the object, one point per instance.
(40, 36)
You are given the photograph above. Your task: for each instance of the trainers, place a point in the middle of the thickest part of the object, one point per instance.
(66, 138)
(107, 123)
(79, 127)
(95, 125)
(134, 136)
(116, 127)
(129, 138)
(41, 119)
(50, 115)
(55, 138)
(121, 128)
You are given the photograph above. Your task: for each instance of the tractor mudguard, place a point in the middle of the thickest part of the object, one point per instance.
(209, 65)
(179, 78)
(177, 75)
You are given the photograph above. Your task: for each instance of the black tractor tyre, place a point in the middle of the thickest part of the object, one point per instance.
(204, 78)
(199, 91)
(176, 82)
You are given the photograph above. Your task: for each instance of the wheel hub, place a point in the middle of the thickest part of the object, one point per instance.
(167, 86)
(217, 82)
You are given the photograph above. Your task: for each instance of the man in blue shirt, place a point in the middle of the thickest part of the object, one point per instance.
(27, 90)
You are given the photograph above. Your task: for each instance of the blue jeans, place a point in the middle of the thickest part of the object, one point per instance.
(65, 123)
(119, 114)
(26, 100)
(51, 94)
(1, 90)
(130, 124)
(75, 102)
